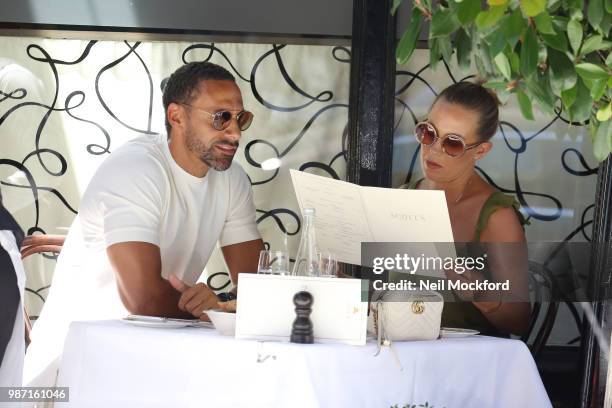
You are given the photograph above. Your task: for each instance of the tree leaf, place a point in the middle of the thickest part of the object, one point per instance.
(606, 25)
(598, 87)
(582, 106)
(514, 27)
(489, 17)
(542, 53)
(495, 85)
(574, 33)
(591, 71)
(609, 6)
(602, 144)
(515, 62)
(480, 68)
(525, 104)
(594, 43)
(446, 48)
(468, 10)
(568, 97)
(502, 63)
(434, 53)
(544, 23)
(594, 12)
(557, 41)
(406, 46)
(497, 2)
(443, 23)
(539, 87)
(576, 13)
(487, 59)
(497, 41)
(533, 7)
(463, 44)
(604, 113)
(562, 72)
(573, 4)
(553, 5)
(609, 60)
(560, 23)
(529, 53)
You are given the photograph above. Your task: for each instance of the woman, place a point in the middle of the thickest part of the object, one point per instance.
(455, 135)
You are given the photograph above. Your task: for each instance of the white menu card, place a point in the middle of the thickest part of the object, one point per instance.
(348, 214)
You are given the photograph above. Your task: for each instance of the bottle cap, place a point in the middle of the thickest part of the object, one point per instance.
(309, 211)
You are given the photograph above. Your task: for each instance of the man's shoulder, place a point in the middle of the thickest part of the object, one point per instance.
(141, 146)
(136, 162)
(144, 153)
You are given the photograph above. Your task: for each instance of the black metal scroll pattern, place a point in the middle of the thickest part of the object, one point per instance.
(523, 196)
(131, 51)
(340, 54)
(18, 93)
(39, 54)
(506, 129)
(52, 159)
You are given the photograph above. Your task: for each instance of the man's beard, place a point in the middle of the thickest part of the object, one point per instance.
(207, 155)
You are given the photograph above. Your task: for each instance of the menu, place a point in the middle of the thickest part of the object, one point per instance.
(348, 214)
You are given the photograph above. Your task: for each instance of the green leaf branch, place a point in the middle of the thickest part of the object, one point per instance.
(551, 54)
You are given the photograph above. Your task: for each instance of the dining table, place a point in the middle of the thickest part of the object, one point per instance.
(113, 363)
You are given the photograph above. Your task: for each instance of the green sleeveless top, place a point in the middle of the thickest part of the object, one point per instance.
(496, 201)
(462, 314)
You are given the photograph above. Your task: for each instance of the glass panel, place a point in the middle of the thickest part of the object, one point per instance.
(77, 101)
(547, 164)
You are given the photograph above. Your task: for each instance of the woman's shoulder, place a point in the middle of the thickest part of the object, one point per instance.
(500, 214)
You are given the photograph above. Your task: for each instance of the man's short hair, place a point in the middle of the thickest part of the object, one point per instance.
(182, 85)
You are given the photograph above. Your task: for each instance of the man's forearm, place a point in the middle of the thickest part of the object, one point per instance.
(158, 298)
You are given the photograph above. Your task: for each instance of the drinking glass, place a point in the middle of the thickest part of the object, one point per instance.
(328, 265)
(273, 262)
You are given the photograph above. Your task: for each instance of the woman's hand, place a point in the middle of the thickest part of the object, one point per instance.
(467, 277)
(486, 301)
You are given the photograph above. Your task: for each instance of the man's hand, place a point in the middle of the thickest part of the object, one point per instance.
(195, 299)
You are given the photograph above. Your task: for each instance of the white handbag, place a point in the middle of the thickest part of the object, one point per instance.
(409, 315)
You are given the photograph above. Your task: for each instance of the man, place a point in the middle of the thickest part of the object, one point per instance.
(12, 282)
(151, 217)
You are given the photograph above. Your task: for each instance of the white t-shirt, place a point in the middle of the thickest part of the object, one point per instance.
(139, 193)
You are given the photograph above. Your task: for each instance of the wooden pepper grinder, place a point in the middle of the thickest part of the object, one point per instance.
(301, 331)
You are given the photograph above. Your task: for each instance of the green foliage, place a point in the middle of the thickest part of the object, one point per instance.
(553, 54)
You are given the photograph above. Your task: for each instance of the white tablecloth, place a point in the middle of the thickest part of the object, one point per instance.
(113, 364)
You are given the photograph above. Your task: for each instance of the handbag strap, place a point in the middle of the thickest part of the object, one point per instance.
(381, 336)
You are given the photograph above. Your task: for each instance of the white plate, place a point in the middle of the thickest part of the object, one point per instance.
(449, 332)
(150, 321)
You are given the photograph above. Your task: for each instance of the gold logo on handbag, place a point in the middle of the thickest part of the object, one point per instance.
(418, 307)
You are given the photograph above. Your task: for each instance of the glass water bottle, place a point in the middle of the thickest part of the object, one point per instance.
(306, 263)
